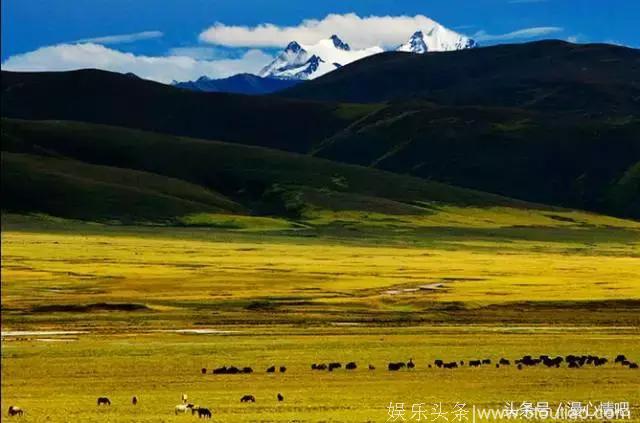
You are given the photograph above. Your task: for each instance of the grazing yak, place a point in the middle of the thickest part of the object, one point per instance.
(504, 362)
(103, 401)
(280, 397)
(396, 366)
(351, 366)
(220, 371)
(15, 411)
(203, 371)
(271, 369)
(203, 413)
(411, 364)
(283, 369)
(438, 363)
(248, 398)
(372, 367)
(247, 370)
(333, 366)
(452, 365)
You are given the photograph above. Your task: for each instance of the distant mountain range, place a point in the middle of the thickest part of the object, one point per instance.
(549, 122)
(298, 62)
(243, 83)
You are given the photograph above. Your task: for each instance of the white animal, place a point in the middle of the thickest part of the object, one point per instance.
(184, 398)
(183, 408)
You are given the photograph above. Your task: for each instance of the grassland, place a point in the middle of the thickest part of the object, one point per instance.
(60, 381)
(448, 282)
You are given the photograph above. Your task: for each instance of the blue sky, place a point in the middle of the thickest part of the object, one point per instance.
(157, 28)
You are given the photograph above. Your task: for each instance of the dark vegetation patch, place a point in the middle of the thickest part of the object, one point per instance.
(89, 308)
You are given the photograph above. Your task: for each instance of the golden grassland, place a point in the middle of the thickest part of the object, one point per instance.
(362, 288)
(215, 276)
(60, 381)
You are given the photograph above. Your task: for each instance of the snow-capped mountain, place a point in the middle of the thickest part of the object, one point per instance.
(310, 61)
(438, 38)
(301, 62)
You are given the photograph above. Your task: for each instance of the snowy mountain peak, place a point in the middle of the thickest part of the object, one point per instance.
(293, 47)
(338, 43)
(298, 61)
(302, 61)
(437, 38)
(415, 44)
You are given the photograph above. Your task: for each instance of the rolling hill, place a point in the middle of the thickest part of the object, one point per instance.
(548, 122)
(115, 99)
(97, 172)
(572, 162)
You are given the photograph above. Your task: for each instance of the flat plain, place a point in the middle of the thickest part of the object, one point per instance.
(142, 309)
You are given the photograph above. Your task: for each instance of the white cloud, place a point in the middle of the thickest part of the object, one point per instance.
(122, 38)
(520, 34)
(158, 68)
(359, 32)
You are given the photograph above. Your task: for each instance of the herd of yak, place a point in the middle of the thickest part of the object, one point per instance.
(572, 361)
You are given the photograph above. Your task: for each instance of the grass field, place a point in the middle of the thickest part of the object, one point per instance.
(330, 287)
(60, 381)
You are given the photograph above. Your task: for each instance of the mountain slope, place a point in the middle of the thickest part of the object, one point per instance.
(214, 175)
(116, 99)
(68, 188)
(545, 75)
(571, 161)
(573, 152)
(243, 83)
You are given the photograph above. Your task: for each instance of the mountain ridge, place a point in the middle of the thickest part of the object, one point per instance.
(310, 61)
(554, 135)
(242, 83)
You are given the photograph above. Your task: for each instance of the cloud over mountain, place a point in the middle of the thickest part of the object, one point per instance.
(158, 68)
(361, 32)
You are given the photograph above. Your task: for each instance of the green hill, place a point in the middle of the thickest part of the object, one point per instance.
(73, 189)
(570, 162)
(97, 172)
(110, 98)
(547, 122)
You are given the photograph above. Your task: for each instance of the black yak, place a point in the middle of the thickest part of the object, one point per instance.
(103, 401)
(15, 411)
(248, 398)
(204, 413)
